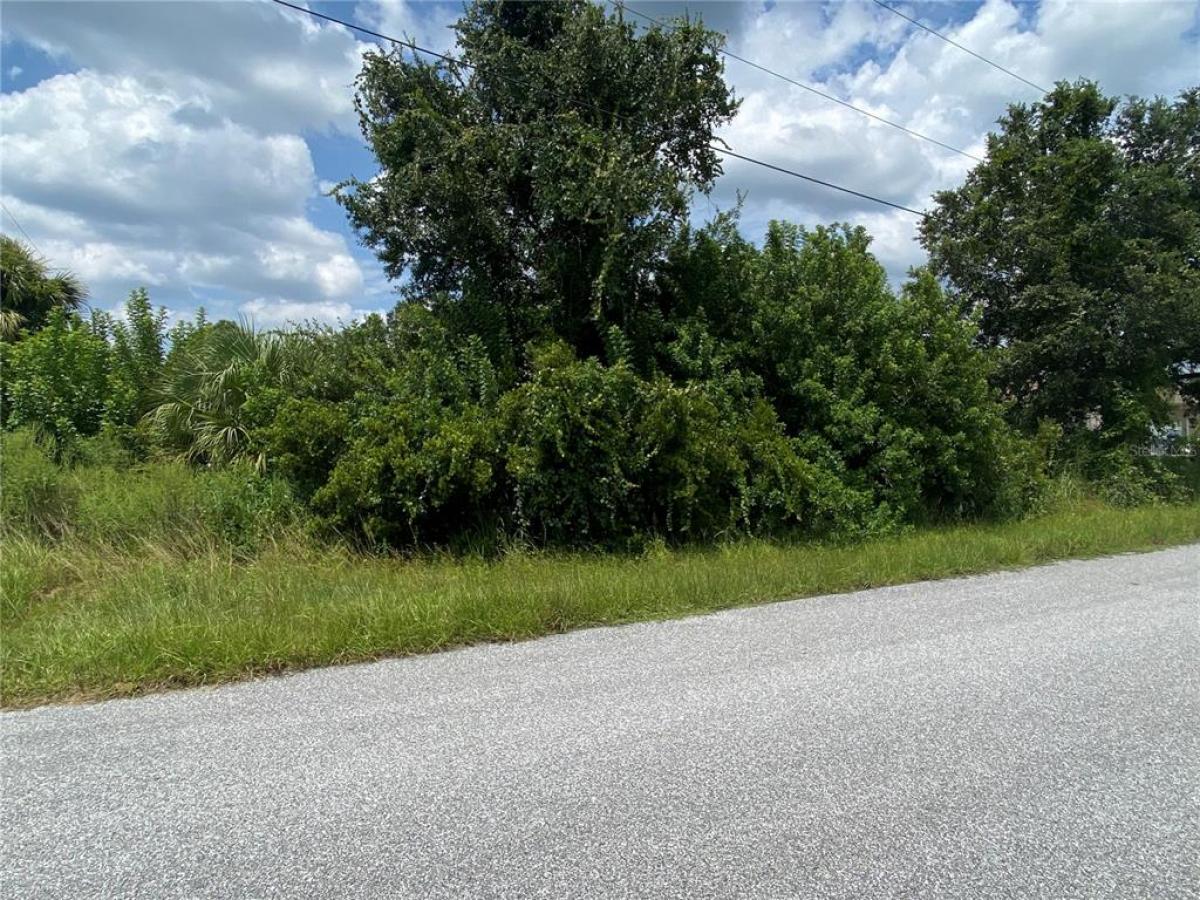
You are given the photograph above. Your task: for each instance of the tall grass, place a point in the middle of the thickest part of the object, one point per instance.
(161, 506)
(86, 619)
(119, 578)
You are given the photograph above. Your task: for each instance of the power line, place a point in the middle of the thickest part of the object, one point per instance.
(828, 184)
(18, 224)
(954, 43)
(857, 109)
(714, 146)
(29, 240)
(382, 37)
(812, 90)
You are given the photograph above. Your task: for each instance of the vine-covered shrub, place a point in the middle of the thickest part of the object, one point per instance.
(395, 438)
(813, 400)
(597, 453)
(792, 392)
(888, 389)
(56, 380)
(570, 450)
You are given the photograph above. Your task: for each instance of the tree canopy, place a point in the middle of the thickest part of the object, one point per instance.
(1077, 243)
(535, 184)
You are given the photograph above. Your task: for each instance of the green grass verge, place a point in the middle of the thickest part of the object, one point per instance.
(83, 622)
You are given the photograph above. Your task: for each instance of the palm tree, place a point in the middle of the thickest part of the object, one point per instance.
(202, 400)
(28, 291)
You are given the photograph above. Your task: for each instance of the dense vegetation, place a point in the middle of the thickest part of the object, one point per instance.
(828, 404)
(573, 363)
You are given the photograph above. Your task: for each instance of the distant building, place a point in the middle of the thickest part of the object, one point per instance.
(1182, 435)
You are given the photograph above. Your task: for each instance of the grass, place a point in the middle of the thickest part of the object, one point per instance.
(83, 620)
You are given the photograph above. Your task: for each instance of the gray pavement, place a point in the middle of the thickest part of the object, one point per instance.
(1028, 734)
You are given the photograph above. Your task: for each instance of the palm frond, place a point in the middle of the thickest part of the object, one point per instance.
(205, 389)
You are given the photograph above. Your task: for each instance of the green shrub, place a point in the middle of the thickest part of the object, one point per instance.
(412, 455)
(246, 510)
(692, 475)
(412, 473)
(889, 391)
(305, 439)
(135, 368)
(597, 455)
(797, 486)
(72, 379)
(567, 449)
(1125, 478)
(55, 380)
(714, 464)
(1187, 469)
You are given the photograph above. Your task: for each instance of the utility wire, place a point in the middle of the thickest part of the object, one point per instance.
(29, 240)
(808, 87)
(828, 184)
(19, 228)
(382, 37)
(954, 43)
(714, 146)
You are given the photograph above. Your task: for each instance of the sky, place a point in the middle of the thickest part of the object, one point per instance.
(188, 147)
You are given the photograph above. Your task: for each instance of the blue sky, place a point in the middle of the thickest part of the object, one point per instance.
(187, 147)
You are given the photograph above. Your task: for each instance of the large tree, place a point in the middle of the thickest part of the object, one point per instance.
(535, 185)
(1077, 242)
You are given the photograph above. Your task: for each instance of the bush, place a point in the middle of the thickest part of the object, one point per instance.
(411, 473)
(135, 368)
(411, 455)
(55, 380)
(1187, 469)
(715, 463)
(568, 450)
(1124, 478)
(889, 391)
(797, 486)
(582, 454)
(597, 455)
(693, 476)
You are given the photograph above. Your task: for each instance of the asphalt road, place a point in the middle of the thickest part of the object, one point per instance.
(1031, 734)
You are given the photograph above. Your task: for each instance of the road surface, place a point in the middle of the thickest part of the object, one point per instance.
(1028, 734)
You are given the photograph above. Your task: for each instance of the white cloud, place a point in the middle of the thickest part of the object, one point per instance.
(282, 313)
(427, 24)
(270, 68)
(124, 190)
(875, 60)
(339, 276)
(176, 154)
(108, 142)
